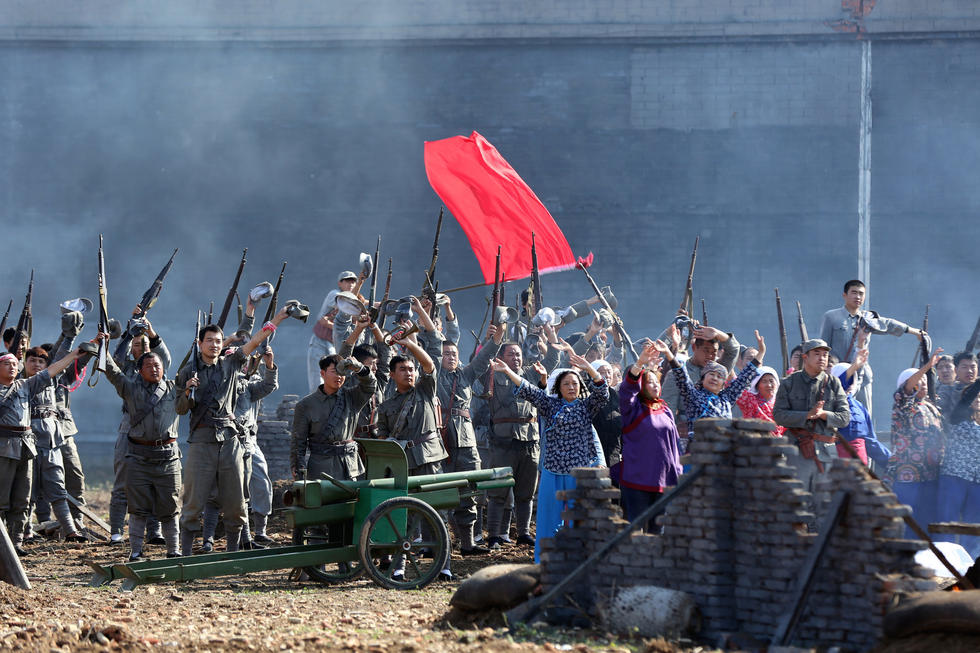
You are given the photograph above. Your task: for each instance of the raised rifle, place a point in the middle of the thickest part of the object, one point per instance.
(231, 292)
(25, 324)
(538, 303)
(925, 355)
(270, 311)
(430, 285)
(146, 303)
(100, 361)
(239, 298)
(195, 351)
(704, 313)
(618, 323)
(784, 347)
(687, 304)
(374, 276)
(3, 322)
(376, 315)
(971, 344)
(211, 312)
(799, 318)
(496, 300)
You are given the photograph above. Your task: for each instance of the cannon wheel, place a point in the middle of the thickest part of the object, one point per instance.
(376, 543)
(328, 573)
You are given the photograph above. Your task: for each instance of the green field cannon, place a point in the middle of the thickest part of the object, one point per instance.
(342, 529)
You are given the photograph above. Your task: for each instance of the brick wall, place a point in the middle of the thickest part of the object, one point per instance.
(736, 538)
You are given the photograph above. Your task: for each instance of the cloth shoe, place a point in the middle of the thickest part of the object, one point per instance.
(525, 540)
(495, 543)
(476, 550)
(156, 539)
(137, 557)
(263, 539)
(207, 547)
(75, 537)
(445, 576)
(115, 539)
(174, 555)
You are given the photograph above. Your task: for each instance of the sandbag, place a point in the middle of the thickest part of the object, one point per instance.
(651, 611)
(951, 612)
(497, 587)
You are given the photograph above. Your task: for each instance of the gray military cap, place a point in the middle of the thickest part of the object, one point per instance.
(815, 343)
(346, 274)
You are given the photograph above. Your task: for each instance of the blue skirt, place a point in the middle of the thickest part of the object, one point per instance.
(549, 508)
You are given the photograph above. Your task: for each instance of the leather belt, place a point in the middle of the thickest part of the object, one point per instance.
(460, 412)
(513, 420)
(803, 433)
(427, 437)
(14, 431)
(151, 443)
(367, 428)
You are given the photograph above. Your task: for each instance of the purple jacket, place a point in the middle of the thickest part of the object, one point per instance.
(651, 458)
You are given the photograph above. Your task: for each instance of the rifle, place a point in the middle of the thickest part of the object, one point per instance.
(384, 299)
(925, 355)
(618, 323)
(194, 349)
(496, 300)
(535, 281)
(799, 318)
(782, 332)
(483, 325)
(100, 362)
(211, 312)
(25, 322)
(239, 298)
(704, 313)
(971, 344)
(231, 293)
(687, 302)
(3, 322)
(429, 287)
(146, 303)
(270, 311)
(374, 276)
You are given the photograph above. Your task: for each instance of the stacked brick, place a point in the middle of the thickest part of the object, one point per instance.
(273, 437)
(737, 538)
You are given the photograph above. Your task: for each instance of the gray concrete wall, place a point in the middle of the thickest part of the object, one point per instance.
(151, 126)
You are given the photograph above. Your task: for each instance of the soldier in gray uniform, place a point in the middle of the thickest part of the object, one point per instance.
(248, 396)
(325, 420)
(49, 472)
(812, 405)
(514, 442)
(215, 449)
(257, 482)
(17, 444)
(152, 457)
(374, 357)
(455, 392)
(149, 341)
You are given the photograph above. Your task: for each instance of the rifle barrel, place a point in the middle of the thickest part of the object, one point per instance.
(223, 316)
(784, 347)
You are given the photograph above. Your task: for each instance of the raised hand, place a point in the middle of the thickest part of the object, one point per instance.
(577, 361)
(817, 412)
(500, 366)
(760, 345)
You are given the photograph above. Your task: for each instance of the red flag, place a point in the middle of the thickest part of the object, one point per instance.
(495, 207)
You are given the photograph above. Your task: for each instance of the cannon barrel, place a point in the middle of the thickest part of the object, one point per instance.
(316, 493)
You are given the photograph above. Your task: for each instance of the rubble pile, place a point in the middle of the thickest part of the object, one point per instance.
(273, 437)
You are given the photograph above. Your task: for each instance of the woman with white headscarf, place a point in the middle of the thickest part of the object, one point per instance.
(757, 400)
(917, 444)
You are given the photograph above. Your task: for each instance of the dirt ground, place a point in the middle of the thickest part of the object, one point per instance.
(263, 611)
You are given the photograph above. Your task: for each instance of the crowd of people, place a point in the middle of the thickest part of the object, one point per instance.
(525, 398)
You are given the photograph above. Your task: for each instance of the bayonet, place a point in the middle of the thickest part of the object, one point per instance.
(704, 313)
(6, 314)
(375, 263)
(100, 361)
(232, 292)
(25, 322)
(971, 344)
(429, 289)
(686, 303)
(537, 301)
(380, 321)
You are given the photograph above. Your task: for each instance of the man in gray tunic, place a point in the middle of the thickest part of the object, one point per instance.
(325, 420)
(812, 405)
(17, 443)
(215, 446)
(514, 442)
(455, 392)
(149, 341)
(152, 457)
(841, 330)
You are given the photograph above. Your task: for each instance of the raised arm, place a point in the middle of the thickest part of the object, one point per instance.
(264, 332)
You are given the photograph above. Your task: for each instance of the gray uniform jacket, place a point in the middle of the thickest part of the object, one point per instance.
(410, 418)
(15, 411)
(837, 329)
(249, 397)
(512, 418)
(160, 421)
(213, 408)
(45, 418)
(316, 432)
(671, 394)
(798, 393)
(456, 392)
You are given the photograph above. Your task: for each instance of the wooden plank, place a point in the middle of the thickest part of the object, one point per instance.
(787, 623)
(10, 568)
(954, 528)
(91, 515)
